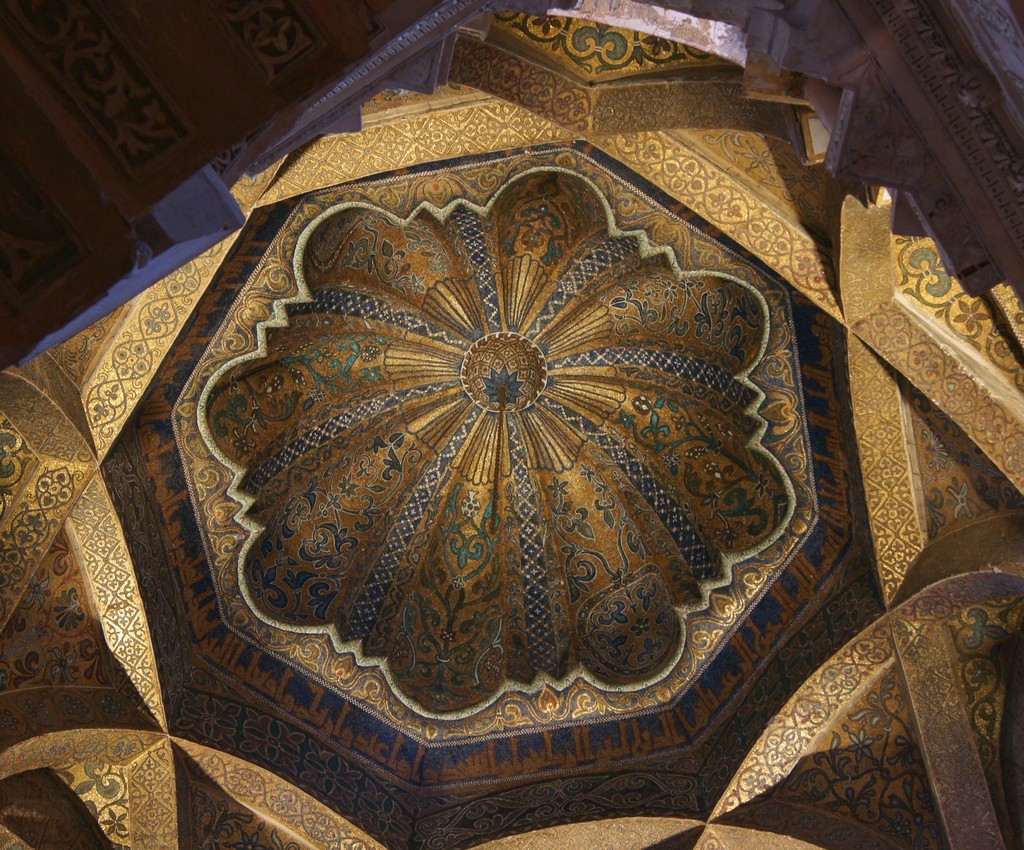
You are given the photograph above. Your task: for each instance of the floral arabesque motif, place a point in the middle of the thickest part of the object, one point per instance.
(467, 549)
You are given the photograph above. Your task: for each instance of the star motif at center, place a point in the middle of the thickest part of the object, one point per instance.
(511, 382)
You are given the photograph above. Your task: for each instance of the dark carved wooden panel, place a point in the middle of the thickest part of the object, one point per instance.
(44, 813)
(113, 108)
(88, 61)
(146, 93)
(275, 33)
(35, 241)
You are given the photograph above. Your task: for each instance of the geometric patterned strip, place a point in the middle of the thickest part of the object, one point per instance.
(885, 463)
(540, 629)
(152, 797)
(64, 749)
(469, 227)
(947, 738)
(96, 535)
(333, 427)
(475, 129)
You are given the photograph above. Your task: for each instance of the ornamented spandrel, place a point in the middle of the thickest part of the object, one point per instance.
(48, 431)
(214, 818)
(596, 51)
(922, 278)
(980, 634)
(39, 808)
(31, 525)
(955, 769)
(54, 636)
(869, 769)
(17, 463)
(785, 247)
(790, 735)
(147, 331)
(958, 483)
(103, 788)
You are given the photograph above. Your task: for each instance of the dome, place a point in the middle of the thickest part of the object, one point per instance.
(501, 443)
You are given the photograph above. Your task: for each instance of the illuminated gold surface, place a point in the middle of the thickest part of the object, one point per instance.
(103, 788)
(769, 169)
(263, 792)
(147, 331)
(991, 419)
(614, 834)
(47, 488)
(865, 260)
(392, 104)
(96, 534)
(980, 639)
(128, 777)
(670, 165)
(152, 797)
(63, 749)
(721, 837)
(10, 841)
(955, 769)
(888, 476)
(908, 334)
(19, 463)
(479, 128)
(80, 355)
(798, 725)
(927, 287)
(591, 51)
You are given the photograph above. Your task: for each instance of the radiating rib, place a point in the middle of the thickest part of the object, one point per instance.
(705, 562)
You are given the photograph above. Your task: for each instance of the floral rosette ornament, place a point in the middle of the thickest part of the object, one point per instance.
(499, 446)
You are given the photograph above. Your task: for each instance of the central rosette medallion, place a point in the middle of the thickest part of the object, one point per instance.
(504, 371)
(499, 444)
